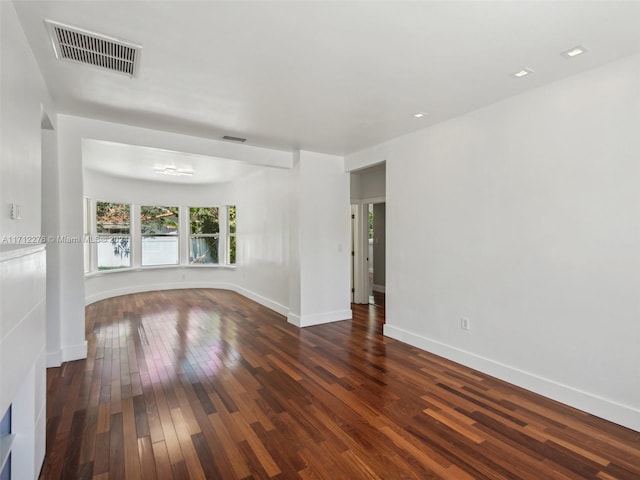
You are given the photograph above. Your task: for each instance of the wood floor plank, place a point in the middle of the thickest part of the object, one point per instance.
(207, 384)
(259, 450)
(116, 447)
(161, 457)
(229, 447)
(147, 463)
(131, 457)
(191, 460)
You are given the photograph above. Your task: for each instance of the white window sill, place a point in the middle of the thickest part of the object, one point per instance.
(100, 273)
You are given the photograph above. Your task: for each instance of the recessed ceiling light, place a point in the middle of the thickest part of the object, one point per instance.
(522, 73)
(419, 114)
(171, 170)
(574, 52)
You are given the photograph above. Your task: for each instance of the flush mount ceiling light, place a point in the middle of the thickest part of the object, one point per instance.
(171, 170)
(89, 48)
(419, 115)
(574, 52)
(522, 73)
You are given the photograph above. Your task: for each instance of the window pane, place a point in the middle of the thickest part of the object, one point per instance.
(232, 219)
(112, 218)
(204, 220)
(159, 220)
(204, 250)
(232, 250)
(114, 251)
(160, 250)
(159, 226)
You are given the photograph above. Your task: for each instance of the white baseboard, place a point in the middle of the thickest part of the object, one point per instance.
(54, 359)
(293, 319)
(264, 301)
(378, 288)
(150, 287)
(318, 318)
(74, 352)
(601, 407)
(304, 321)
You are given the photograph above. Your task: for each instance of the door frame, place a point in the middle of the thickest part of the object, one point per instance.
(360, 251)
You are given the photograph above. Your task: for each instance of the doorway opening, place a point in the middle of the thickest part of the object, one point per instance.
(368, 219)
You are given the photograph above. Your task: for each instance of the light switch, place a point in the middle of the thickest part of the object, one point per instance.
(15, 211)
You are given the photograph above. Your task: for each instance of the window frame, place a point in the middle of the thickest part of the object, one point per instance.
(99, 237)
(231, 235)
(193, 236)
(177, 236)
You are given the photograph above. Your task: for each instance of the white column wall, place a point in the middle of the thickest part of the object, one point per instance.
(523, 217)
(50, 225)
(323, 229)
(294, 192)
(71, 273)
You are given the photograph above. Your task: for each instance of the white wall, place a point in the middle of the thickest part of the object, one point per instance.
(523, 217)
(379, 246)
(22, 95)
(263, 236)
(127, 190)
(369, 184)
(321, 224)
(22, 261)
(373, 183)
(355, 188)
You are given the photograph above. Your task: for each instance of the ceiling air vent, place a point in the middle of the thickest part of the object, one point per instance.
(234, 139)
(77, 45)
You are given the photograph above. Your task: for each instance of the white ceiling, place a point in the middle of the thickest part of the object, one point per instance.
(331, 77)
(132, 161)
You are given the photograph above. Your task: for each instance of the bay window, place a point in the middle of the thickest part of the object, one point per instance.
(120, 235)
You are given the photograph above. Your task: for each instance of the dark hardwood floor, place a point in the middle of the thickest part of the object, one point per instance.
(207, 384)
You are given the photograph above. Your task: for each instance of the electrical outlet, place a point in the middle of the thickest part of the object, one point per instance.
(465, 324)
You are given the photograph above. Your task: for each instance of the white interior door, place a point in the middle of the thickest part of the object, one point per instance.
(359, 253)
